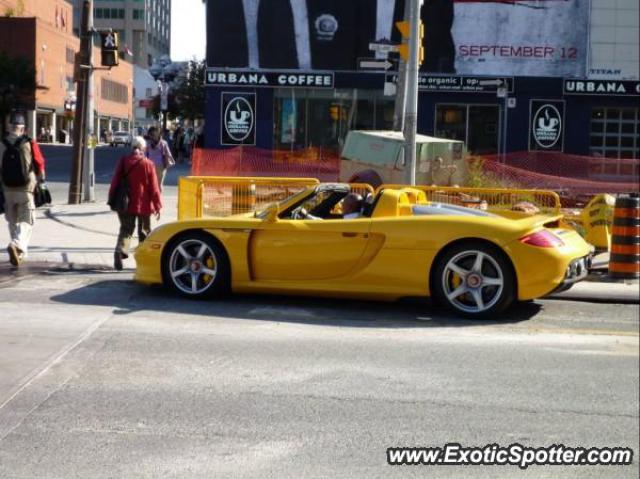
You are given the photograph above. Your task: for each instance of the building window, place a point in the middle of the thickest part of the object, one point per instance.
(476, 125)
(138, 14)
(615, 133)
(322, 119)
(70, 55)
(114, 91)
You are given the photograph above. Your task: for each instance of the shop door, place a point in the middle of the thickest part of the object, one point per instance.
(476, 125)
(483, 131)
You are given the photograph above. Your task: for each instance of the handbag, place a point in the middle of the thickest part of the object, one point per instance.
(41, 195)
(119, 199)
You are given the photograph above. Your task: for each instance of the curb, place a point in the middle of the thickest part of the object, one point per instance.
(601, 292)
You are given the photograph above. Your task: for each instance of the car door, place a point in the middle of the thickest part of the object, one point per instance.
(307, 250)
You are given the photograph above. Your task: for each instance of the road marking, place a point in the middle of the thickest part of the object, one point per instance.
(282, 312)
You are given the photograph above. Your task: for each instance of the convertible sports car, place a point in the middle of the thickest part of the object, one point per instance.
(477, 263)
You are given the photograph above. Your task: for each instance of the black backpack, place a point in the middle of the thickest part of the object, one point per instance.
(12, 172)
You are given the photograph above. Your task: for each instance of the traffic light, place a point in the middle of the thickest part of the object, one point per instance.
(109, 49)
(405, 30)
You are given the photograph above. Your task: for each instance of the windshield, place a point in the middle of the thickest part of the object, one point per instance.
(262, 213)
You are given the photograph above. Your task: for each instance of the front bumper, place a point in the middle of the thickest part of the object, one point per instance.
(149, 262)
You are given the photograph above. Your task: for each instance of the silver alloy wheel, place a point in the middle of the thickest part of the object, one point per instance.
(472, 281)
(193, 266)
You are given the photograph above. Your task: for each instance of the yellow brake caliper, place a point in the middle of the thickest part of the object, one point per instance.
(210, 264)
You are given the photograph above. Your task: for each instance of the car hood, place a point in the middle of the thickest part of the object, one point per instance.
(448, 210)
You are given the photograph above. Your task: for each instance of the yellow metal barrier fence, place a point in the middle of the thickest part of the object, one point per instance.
(547, 202)
(200, 196)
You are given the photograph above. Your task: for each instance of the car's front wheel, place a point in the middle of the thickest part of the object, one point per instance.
(196, 266)
(475, 279)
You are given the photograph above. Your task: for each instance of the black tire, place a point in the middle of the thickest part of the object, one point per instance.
(475, 296)
(195, 254)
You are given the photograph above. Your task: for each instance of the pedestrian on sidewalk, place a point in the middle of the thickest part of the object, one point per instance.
(22, 167)
(139, 173)
(159, 153)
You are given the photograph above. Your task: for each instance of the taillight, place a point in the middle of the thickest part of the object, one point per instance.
(542, 239)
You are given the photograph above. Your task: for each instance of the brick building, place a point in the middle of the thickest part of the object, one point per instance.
(43, 33)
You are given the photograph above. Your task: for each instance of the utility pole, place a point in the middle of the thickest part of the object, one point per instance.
(79, 124)
(411, 115)
(89, 147)
(401, 86)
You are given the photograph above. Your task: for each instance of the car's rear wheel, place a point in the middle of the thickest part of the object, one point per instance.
(196, 266)
(475, 279)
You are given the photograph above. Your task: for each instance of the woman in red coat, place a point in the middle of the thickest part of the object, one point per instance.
(144, 198)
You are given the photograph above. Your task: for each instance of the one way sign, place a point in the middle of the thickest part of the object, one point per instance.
(374, 64)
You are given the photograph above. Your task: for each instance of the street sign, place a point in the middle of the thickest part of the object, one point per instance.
(374, 64)
(383, 47)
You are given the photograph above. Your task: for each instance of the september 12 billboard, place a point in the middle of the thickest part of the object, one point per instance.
(492, 37)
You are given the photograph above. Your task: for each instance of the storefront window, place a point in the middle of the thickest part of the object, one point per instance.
(322, 118)
(476, 125)
(615, 133)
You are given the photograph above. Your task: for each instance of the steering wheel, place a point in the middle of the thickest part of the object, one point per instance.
(299, 214)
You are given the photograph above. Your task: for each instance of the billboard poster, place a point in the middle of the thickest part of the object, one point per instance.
(463, 37)
(546, 125)
(238, 118)
(521, 37)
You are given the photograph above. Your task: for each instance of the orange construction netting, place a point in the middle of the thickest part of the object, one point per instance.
(574, 177)
(317, 163)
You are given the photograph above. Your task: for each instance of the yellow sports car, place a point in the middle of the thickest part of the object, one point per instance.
(394, 245)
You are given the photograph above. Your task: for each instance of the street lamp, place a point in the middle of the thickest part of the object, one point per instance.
(164, 71)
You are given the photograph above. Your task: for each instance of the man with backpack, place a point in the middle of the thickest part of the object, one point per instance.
(22, 166)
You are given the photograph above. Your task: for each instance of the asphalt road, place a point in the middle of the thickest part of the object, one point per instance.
(102, 378)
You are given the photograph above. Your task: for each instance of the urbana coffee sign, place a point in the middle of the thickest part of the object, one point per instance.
(269, 79)
(546, 125)
(601, 87)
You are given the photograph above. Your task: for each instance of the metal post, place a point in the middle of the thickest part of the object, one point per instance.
(75, 182)
(411, 114)
(164, 103)
(89, 147)
(504, 136)
(401, 86)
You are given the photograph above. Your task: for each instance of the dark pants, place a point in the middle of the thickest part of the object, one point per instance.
(127, 226)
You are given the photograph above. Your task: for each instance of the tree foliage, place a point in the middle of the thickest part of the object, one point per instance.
(186, 97)
(17, 82)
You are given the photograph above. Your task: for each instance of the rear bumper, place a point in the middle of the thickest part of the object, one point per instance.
(541, 271)
(577, 270)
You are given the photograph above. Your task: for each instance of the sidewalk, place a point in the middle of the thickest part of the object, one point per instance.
(80, 236)
(84, 236)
